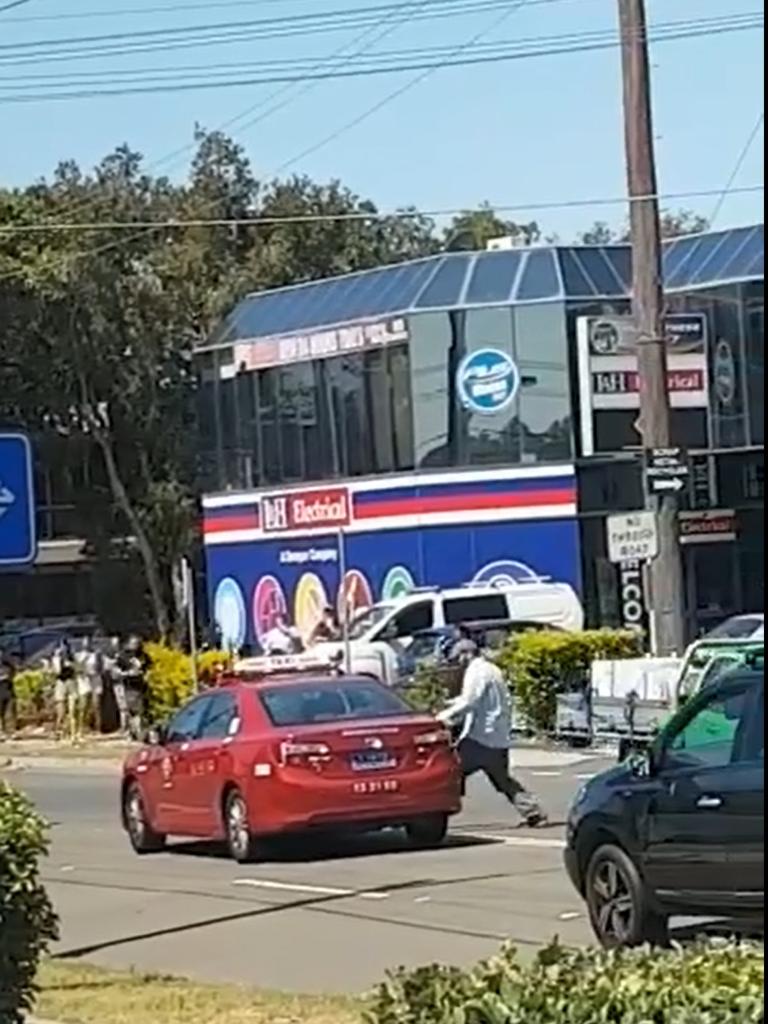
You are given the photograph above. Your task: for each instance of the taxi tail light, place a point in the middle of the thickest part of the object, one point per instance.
(427, 743)
(302, 755)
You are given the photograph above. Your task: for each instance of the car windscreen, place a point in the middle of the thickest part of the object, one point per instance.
(367, 619)
(322, 701)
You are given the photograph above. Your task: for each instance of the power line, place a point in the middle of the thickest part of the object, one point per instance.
(363, 215)
(694, 30)
(133, 11)
(12, 4)
(737, 167)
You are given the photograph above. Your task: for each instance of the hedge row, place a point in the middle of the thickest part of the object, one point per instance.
(538, 666)
(704, 984)
(27, 922)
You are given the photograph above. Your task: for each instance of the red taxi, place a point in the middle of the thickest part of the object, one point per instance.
(266, 754)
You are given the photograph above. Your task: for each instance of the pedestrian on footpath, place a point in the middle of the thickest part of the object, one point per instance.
(483, 716)
(65, 691)
(7, 695)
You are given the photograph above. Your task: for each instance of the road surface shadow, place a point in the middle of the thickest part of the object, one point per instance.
(311, 848)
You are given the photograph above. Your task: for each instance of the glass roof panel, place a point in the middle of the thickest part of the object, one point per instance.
(493, 277)
(539, 279)
(445, 287)
(682, 262)
(576, 283)
(747, 256)
(699, 267)
(730, 243)
(600, 273)
(674, 254)
(620, 258)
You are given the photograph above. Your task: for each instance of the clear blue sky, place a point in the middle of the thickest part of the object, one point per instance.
(532, 130)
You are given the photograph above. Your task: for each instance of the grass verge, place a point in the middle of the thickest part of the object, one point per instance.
(81, 994)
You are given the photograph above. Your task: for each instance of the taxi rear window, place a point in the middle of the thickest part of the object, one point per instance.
(314, 703)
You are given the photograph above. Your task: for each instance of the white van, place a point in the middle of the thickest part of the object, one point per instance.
(375, 630)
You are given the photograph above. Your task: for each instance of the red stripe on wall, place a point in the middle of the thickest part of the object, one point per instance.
(464, 503)
(247, 521)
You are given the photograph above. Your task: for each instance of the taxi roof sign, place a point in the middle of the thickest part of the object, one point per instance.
(285, 664)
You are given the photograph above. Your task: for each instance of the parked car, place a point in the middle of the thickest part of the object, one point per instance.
(680, 830)
(269, 755)
(740, 627)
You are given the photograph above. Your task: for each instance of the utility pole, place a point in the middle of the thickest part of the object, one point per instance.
(665, 572)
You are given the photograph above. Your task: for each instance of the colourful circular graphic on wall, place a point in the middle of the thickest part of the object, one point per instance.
(355, 595)
(269, 606)
(397, 583)
(487, 381)
(507, 573)
(310, 600)
(229, 613)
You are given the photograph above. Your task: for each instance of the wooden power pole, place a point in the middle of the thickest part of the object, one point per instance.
(665, 575)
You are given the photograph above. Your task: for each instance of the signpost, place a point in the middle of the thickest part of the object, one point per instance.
(632, 537)
(666, 470)
(18, 534)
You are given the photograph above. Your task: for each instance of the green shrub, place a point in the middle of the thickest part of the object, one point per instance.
(430, 691)
(33, 690)
(27, 921)
(704, 984)
(170, 680)
(541, 665)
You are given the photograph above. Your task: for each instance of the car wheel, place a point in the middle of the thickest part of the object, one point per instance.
(241, 843)
(143, 837)
(618, 902)
(428, 832)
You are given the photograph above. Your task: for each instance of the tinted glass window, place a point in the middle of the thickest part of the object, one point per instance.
(474, 609)
(430, 373)
(414, 619)
(185, 726)
(493, 277)
(539, 279)
(710, 739)
(222, 711)
(315, 703)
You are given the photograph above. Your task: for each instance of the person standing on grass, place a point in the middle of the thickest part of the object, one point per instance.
(483, 717)
(7, 694)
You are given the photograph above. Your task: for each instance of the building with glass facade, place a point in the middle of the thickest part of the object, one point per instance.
(480, 409)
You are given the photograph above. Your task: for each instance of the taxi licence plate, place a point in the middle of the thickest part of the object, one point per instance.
(374, 786)
(373, 761)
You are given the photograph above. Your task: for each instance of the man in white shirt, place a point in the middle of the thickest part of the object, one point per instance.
(482, 709)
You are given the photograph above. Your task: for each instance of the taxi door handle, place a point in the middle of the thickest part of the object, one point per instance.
(709, 803)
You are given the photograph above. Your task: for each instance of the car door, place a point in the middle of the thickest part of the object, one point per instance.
(175, 803)
(210, 762)
(697, 821)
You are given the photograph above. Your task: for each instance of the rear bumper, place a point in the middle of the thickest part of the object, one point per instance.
(277, 807)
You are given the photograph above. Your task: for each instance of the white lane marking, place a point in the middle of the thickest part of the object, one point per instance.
(586, 778)
(546, 775)
(307, 890)
(570, 915)
(423, 899)
(522, 842)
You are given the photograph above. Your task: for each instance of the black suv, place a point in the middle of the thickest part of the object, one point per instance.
(679, 831)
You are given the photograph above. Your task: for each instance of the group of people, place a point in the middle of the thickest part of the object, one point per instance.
(84, 673)
(285, 639)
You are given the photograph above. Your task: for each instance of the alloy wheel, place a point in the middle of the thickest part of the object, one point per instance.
(613, 904)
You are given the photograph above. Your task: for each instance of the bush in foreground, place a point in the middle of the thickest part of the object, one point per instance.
(539, 665)
(27, 921)
(705, 984)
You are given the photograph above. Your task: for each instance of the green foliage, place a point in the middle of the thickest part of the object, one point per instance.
(28, 923)
(429, 691)
(541, 665)
(170, 679)
(704, 984)
(33, 690)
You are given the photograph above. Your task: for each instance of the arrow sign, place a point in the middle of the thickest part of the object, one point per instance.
(666, 484)
(18, 539)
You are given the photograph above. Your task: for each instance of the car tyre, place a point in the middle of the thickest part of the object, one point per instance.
(428, 832)
(241, 843)
(144, 839)
(618, 905)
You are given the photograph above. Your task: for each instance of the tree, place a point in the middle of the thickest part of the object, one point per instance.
(674, 224)
(473, 229)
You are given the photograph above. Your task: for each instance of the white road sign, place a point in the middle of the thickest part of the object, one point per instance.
(632, 537)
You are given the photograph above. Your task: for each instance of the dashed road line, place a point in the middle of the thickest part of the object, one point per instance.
(308, 890)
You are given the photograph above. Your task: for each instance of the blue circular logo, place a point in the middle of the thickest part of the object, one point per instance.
(487, 381)
(229, 613)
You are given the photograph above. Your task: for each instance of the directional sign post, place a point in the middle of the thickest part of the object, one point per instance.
(666, 470)
(18, 536)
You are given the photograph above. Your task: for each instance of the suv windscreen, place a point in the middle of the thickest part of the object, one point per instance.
(367, 619)
(315, 703)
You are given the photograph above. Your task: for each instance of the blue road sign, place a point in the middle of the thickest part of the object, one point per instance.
(18, 535)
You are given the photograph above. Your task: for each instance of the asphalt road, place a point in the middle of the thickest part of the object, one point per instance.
(318, 917)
